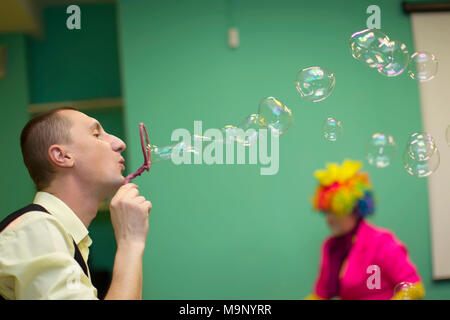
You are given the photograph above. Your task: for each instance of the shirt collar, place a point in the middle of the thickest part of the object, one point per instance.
(70, 221)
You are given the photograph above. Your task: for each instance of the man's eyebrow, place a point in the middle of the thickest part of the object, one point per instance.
(96, 125)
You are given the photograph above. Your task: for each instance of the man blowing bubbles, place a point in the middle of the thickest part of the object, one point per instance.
(75, 165)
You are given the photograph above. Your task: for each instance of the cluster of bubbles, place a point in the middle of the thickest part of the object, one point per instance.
(314, 84)
(391, 57)
(420, 157)
(272, 114)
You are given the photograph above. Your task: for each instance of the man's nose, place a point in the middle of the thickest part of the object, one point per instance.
(118, 144)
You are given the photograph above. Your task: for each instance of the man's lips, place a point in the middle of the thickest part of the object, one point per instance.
(121, 162)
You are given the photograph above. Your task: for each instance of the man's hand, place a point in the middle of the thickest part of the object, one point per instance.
(129, 216)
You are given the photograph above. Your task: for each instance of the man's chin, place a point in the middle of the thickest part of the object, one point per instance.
(120, 182)
(116, 184)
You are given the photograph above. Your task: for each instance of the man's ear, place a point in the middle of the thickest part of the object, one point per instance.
(60, 157)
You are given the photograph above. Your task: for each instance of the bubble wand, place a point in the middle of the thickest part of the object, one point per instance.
(146, 150)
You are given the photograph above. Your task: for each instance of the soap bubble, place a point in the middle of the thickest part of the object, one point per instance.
(253, 121)
(394, 58)
(231, 134)
(159, 154)
(419, 168)
(275, 115)
(423, 66)
(365, 47)
(421, 146)
(381, 150)
(404, 291)
(315, 84)
(332, 129)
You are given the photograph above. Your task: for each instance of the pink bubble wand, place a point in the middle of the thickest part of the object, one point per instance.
(146, 150)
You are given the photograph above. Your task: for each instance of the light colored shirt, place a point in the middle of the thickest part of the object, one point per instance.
(37, 254)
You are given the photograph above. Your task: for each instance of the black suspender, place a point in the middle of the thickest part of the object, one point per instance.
(35, 207)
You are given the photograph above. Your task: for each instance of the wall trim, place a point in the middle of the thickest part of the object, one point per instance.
(91, 104)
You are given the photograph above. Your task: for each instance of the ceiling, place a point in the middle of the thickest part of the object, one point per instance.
(24, 16)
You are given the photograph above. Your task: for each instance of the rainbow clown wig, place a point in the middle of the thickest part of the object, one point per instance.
(344, 190)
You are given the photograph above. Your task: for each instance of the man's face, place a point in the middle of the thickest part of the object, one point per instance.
(97, 155)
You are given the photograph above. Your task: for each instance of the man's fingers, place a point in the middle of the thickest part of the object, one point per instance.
(140, 199)
(148, 206)
(123, 189)
(132, 192)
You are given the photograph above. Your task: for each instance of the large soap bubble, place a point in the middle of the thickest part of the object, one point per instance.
(423, 66)
(366, 45)
(419, 168)
(394, 58)
(315, 83)
(421, 146)
(275, 115)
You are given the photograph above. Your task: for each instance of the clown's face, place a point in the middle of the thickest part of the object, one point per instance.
(340, 225)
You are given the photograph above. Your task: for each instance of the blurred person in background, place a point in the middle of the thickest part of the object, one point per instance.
(356, 249)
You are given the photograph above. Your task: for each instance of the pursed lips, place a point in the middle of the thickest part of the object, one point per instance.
(122, 163)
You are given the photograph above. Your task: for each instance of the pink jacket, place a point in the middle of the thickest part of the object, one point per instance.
(374, 249)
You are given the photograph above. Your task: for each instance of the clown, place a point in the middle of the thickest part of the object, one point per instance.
(356, 247)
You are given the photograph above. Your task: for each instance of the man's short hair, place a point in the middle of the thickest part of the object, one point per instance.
(37, 136)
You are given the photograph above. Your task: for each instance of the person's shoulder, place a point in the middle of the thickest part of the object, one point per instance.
(381, 236)
(35, 226)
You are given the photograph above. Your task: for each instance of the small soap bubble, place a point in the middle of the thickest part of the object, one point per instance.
(230, 134)
(421, 146)
(423, 66)
(159, 154)
(275, 115)
(315, 83)
(332, 129)
(404, 291)
(381, 150)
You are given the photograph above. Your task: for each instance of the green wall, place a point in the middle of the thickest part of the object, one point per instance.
(16, 186)
(75, 64)
(226, 232)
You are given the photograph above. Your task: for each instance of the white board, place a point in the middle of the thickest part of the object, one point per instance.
(431, 32)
